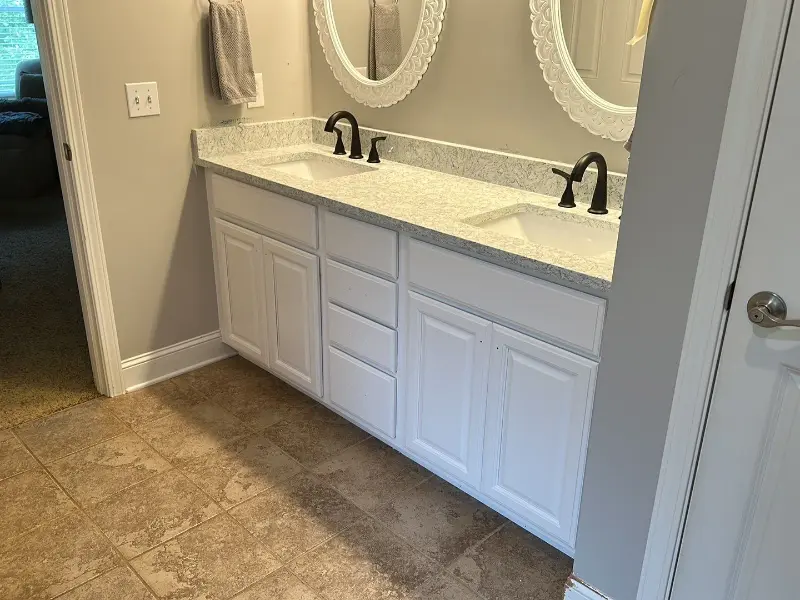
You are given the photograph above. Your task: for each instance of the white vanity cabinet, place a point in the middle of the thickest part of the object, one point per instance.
(448, 367)
(536, 428)
(240, 290)
(293, 314)
(482, 374)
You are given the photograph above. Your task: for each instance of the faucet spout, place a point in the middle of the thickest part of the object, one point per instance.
(355, 145)
(600, 198)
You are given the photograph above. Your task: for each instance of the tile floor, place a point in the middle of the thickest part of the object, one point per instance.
(226, 483)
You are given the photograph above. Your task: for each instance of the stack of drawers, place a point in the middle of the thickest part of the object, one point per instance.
(362, 298)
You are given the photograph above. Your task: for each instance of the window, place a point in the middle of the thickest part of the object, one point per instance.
(17, 42)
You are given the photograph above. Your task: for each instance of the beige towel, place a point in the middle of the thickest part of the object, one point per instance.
(385, 40)
(233, 79)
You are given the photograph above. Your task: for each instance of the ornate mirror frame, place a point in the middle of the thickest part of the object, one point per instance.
(392, 90)
(599, 116)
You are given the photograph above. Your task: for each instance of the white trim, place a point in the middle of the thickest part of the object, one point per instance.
(402, 82)
(585, 107)
(577, 590)
(755, 75)
(152, 367)
(77, 183)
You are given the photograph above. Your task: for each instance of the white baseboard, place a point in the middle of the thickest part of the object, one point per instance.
(577, 590)
(152, 367)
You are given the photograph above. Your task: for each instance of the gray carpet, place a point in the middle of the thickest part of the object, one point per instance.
(44, 358)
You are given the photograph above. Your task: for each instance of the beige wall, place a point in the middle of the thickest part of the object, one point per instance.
(152, 203)
(484, 88)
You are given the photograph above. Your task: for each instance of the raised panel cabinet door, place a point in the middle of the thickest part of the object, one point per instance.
(448, 366)
(537, 425)
(242, 305)
(294, 315)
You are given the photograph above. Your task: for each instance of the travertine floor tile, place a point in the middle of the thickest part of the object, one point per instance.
(365, 562)
(152, 403)
(253, 395)
(54, 558)
(281, 585)
(152, 512)
(27, 500)
(439, 519)
(213, 561)
(13, 456)
(443, 587)
(182, 436)
(514, 565)
(319, 436)
(371, 474)
(102, 470)
(119, 584)
(296, 515)
(241, 470)
(70, 430)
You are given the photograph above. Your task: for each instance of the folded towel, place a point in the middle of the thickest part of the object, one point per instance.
(385, 40)
(233, 78)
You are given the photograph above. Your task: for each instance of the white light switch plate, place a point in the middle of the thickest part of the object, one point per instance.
(259, 92)
(143, 99)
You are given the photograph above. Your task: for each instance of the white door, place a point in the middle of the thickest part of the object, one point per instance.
(743, 527)
(240, 270)
(537, 427)
(293, 314)
(448, 366)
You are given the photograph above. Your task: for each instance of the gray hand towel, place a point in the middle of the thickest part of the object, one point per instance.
(233, 78)
(385, 40)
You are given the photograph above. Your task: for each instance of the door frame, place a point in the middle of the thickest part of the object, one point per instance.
(57, 53)
(755, 76)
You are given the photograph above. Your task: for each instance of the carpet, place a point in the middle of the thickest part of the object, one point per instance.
(44, 357)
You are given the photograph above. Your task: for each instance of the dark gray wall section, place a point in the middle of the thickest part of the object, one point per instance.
(687, 78)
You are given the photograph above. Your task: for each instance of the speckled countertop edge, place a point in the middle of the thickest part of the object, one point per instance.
(430, 206)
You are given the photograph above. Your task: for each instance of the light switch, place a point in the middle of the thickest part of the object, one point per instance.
(259, 92)
(143, 99)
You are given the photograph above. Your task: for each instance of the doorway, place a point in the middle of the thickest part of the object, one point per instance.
(739, 540)
(43, 347)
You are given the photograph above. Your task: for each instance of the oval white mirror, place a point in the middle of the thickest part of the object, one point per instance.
(587, 60)
(379, 49)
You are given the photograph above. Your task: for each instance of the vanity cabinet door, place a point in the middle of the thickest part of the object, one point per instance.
(448, 366)
(294, 315)
(537, 425)
(240, 290)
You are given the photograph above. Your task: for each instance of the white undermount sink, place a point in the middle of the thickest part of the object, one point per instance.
(318, 168)
(549, 228)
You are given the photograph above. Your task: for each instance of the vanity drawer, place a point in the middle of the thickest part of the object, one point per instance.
(363, 392)
(363, 338)
(556, 312)
(361, 244)
(289, 219)
(362, 293)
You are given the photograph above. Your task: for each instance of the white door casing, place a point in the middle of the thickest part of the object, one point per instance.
(742, 527)
(537, 428)
(240, 267)
(293, 314)
(448, 365)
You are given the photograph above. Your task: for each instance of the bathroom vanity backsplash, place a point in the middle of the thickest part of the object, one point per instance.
(512, 170)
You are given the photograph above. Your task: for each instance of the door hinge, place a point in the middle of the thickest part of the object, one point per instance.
(729, 296)
(67, 152)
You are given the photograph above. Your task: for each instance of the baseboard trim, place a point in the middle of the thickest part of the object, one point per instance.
(153, 367)
(577, 590)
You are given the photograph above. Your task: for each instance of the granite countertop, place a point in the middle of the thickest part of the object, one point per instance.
(431, 206)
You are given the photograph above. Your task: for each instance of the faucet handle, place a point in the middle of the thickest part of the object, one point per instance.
(568, 197)
(339, 150)
(373, 153)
